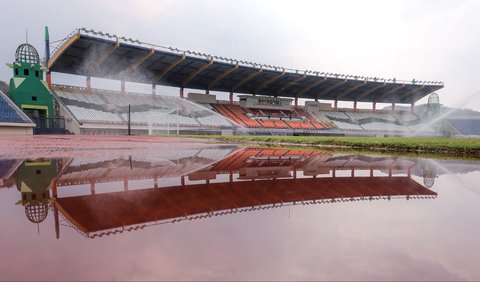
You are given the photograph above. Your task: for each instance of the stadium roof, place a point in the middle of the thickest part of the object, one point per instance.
(106, 211)
(103, 55)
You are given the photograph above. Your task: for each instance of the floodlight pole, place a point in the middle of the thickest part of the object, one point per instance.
(47, 57)
(177, 123)
(129, 126)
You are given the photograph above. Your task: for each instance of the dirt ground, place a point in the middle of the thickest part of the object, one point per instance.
(63, 146)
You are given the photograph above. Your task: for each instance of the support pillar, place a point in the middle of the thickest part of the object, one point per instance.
(181, 92)
(154, 89)
(230, 176)
(89, 84)
(335, 104)
(355, 106)
(316, 99)
(92, 188)
(296, 101)
(207, 181)
(207, 91)
(155, 182)
(412, 107)
(125, 185)
(371, 172)
(54, 189)
(333, 172)
(49, 79)
(353, 172)
(230, 98)
(294, 173)
(393, 107)
(57, 221)
(409, 172)
(390, 172)
(374, 108)
(182, 180)
(122, 86)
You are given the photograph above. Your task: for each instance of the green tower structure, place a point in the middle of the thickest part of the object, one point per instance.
(35, 180)
(27, 88)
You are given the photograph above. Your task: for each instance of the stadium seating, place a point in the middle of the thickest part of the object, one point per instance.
(268, 118)
(369, 121)
(111, 107)
(9, 112)
(466, 127)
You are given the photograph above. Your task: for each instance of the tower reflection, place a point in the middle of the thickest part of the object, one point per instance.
(34, 181)
(195, 184)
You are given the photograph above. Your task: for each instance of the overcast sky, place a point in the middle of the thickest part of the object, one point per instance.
(426, 40)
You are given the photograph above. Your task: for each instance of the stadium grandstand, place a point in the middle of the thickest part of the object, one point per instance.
(96, 111)
(267, 95)
(186, 185)
(463, 126)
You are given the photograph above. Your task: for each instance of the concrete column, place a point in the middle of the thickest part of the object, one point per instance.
(409, 172)
(54, 189)
(412, 107)
(294, 173)
(296, 101)
(49, 79)
(92, 188)
(335, 104)
(393, 107)
(155, 182)
(125, 185)
(182, 180)
(390, 172)
(355, 106)
(374, 108)
(181, 92)
(122, 86)
(154, 89)
(89, 83)
(353, 172)
(371, 172)
(230, 176)
(57, 221)
(207, 91)
(333, 172)
(230, 98)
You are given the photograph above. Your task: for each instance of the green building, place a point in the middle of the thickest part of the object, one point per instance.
(27, 88)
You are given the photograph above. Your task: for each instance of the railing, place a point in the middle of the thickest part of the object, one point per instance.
(44, 125)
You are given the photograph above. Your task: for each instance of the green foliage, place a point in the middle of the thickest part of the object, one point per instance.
(443, 146)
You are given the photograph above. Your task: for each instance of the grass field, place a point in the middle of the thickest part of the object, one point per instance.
(443, 146)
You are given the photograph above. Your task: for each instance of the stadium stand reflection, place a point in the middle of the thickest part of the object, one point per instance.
(101, 197)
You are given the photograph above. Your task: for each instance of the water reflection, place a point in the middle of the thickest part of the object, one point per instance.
(100, 197)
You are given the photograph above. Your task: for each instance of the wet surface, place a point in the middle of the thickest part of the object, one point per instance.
(219, 212)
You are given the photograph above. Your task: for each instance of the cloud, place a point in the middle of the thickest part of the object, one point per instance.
(425, 40)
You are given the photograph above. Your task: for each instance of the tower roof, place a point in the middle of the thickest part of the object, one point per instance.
(26, 53)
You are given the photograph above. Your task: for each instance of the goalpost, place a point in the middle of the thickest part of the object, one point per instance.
(158, 124)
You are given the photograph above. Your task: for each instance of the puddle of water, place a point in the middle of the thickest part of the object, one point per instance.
(222, 213)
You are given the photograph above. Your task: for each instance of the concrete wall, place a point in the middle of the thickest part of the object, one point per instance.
(71, 124)
(202, 98)
(8, 129)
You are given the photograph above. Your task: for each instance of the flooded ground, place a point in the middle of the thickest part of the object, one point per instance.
(179, 209)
